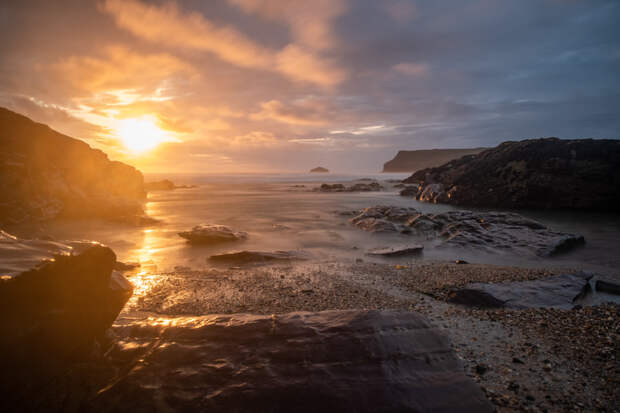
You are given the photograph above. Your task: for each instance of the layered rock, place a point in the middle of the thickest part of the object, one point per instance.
(45, 174)
(482, 231)
(248, 257)
(411, 161)
(357, 187)
(212, 234)
(57, 300)
(362, 361)
(533, 173)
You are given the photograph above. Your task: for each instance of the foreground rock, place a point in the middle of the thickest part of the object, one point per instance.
(45, 174)
(211, 234)
(319, 169)
(533, 173)
(482, 231)
(358, 187)
(248, 257)
(411, 161)
(362, 361)
(59, 308)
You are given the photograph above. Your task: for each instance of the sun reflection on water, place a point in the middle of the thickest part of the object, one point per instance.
(147, 277)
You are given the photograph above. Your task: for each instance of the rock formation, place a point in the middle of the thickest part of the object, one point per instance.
(319, 169)
(211, 234)
(357, 187)
(247, 257)
(481, 231)
(56, 301)
(411, 161)
(533, 173)
(45, 174)
(332, 361)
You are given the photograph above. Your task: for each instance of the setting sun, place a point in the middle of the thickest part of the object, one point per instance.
(141, 134)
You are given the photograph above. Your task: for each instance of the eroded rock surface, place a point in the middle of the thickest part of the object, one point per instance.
(362, 361)
(248, 257)
(56, 302)
(533, 173)
(484, 231)
(210, 234)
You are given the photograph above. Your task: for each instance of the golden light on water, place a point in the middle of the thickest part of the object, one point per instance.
(141, 134)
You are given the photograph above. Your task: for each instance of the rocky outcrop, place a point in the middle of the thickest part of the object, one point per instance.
(397, 251)
(319, 169)
(357, 187)
(482, 231)
(164, 185)
(212, 234)
(332, 361)
(56, 300)
(45, 174)
(253, 257)
(561, 291)
(411, 161)
(534, 173)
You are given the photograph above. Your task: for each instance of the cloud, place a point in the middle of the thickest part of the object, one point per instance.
(120, 72)
(307, 112)
(167, 25)
(412, 69)
(309, 21)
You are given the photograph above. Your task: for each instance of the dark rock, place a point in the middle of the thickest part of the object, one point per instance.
(481, 369)
(517, 360)
(211, 234)
(358, 187)
(397, 251)
(45, 174)
(552, 292)
(382, 218)
(411, 161)
(332, 188)
(354, 361)
(163, 185)
(319, 169)
(460, 262)
(410, 190)
(58, 308)
(533, 173)
(474, 298)
(246, 257)
(607, 287)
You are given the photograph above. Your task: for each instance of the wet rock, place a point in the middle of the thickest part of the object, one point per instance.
(332, 188)
(358, 187)
(533, 173)
(397, 251)
(607, 287)
(212, 234)
(409, 191)
(552, 292)
(481, 231)
(58, 308)
(474, 298)
(362, 361)
(246, 257)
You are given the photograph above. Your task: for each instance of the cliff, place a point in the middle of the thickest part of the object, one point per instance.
(411, 161)
(533, 173)
(45, 174)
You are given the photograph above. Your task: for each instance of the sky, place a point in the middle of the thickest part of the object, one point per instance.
(238, 86)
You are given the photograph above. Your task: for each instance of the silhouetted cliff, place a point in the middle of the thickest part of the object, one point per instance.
(411, 161)
(45, 174)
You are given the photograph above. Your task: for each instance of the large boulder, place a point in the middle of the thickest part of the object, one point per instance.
(212, 234)
(45, 174)
(533, 173)
(56, 300)
(353, 361)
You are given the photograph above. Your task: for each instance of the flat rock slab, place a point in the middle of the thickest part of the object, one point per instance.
(559, 291)
(249, 257)
(353, 361)
(397, 251)
(212, 234)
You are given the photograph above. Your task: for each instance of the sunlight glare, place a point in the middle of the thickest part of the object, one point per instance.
(141, 134)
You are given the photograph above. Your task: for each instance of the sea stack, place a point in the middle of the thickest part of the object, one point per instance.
(319, 169)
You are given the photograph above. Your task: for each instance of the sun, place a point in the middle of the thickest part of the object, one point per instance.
(141, 134)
